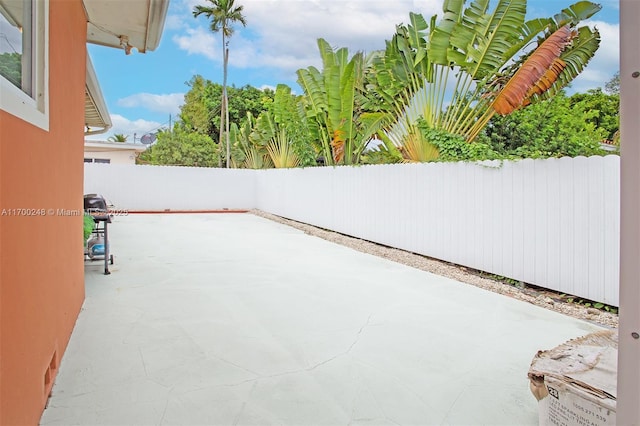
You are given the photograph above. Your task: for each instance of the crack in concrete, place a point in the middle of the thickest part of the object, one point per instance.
(244, 404)
(226, 361)
(313, 367)
(144, 365)
(444, 418)
(166, 405)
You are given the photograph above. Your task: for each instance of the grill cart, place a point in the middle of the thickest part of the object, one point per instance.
(98, 244)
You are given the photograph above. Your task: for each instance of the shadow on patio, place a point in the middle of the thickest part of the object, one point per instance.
(234, 319)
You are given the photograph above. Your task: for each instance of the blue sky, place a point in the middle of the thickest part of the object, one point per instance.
(144, 91)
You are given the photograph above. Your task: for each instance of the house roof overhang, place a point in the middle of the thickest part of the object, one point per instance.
(101, 146)
(124, 24)
(96, 115)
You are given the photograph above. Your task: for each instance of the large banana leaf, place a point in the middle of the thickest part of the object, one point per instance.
(575, 13)
(333, 99)
(491, 36)
(264, 130)
(538, 63)
(312, 84)
(440, 36)
(576, 57)
(284, 104)
(543, 73)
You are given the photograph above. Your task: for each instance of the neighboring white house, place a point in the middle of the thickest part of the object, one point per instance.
(111, 152)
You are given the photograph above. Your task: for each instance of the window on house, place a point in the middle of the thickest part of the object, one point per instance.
(24, 59)
(98, 160)
(16, 43)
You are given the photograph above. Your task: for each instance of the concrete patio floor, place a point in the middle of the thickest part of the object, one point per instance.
(231, 319)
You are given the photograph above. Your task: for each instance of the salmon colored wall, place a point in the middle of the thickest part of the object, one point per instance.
(41, 266)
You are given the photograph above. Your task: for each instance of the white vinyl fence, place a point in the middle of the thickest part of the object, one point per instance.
(553, 223)
(161, 188)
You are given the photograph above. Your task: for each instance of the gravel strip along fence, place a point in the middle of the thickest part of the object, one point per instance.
(534, 295)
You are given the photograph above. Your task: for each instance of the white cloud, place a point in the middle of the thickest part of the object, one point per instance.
(168, 104)
(129, 128)
(200, 41)
(282, 34)
(175, 22)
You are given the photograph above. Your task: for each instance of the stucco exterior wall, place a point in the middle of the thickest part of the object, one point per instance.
(41, 267)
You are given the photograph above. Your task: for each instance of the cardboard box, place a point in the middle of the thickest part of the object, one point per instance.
(575, 383)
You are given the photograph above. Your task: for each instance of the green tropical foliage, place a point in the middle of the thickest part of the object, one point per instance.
(181, 148)
(277, 138)
(247, 153)
(201, 108)
(604, 110)
(285, 120)
(452, 147)
(553, 128)
(612, 87)
(339, 126)
(437, 85)
(118, 137)
(200, 112)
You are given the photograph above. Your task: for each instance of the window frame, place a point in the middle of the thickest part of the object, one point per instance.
(33, 109)
(97, 160)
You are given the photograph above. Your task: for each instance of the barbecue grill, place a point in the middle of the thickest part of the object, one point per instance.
(98, 244)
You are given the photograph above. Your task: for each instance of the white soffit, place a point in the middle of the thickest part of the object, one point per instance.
(121, 23)
(96, 115)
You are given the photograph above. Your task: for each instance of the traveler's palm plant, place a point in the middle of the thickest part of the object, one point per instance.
(251, 155)
(458, 72)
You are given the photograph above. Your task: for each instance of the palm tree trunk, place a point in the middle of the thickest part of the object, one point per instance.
(222, 115)
(223, 100)
(226, 107)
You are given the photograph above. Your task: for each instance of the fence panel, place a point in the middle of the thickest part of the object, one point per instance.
(159, 188)
(553, 223)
